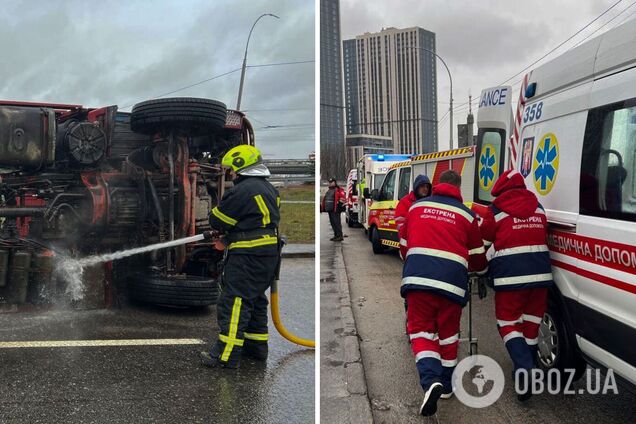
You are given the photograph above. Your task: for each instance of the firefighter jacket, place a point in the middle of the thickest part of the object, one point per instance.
(249, 215)
(339, 198)
(516, 224)
(444, 243)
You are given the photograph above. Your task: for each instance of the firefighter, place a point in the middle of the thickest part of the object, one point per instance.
(333, 204)
(520, 269)
(421, 188)
(248, 216)
(444, 243)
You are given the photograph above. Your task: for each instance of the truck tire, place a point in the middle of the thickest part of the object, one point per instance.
(376, 243)
(557, 345)
(190, 291)
(350, 222)
(186, 115)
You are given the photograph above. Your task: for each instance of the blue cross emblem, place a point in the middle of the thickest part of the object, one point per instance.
(545, 170)
(486, 172)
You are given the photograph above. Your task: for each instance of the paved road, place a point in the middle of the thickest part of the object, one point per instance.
(158, 384)
(389, 368)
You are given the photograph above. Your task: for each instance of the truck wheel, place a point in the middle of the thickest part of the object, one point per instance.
(186, 115)
(557, 345)
(350, 222)
(190, 291)
(376, 243)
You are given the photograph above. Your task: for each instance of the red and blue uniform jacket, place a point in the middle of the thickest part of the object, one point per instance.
(402, 209)
(444, 244)
(515, 223)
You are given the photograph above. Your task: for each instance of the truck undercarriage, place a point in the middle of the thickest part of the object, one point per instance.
(80, 181)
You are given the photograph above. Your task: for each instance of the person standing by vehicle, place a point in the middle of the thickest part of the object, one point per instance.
(421, 188)
(516, 224)
(333, 204)
(444, 243)
(248, 215)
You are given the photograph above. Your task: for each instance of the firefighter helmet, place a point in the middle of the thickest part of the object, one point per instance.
(245, 160)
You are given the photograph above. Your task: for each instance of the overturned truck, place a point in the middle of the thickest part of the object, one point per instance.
(80, 181)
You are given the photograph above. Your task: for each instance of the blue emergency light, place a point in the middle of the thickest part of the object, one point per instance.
(531, 90)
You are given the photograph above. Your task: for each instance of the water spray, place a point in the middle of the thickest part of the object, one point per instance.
(72, 270)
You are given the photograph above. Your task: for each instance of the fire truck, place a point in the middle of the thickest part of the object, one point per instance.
(77, 181)
(371, 170)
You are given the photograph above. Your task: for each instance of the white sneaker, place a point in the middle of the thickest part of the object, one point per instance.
(432, 395)
(447, 395)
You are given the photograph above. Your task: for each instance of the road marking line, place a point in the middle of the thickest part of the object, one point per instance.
(92, 343)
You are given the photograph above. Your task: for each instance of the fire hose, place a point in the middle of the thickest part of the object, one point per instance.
(274, 302)
(274, 306)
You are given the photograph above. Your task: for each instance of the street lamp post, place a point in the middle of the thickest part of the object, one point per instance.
(451, 90)
(240, 93)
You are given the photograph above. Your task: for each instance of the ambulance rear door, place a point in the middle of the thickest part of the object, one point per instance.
(494, 127)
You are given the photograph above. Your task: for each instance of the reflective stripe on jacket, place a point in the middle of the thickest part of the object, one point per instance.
(516, 224)
(249, 215)
(443, 242)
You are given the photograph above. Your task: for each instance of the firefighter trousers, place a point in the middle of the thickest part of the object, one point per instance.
(433, 328)
(242, 308)
(519, 314)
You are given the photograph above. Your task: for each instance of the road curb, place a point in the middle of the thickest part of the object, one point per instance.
(299, 251)
(359, 404)
(299, 255)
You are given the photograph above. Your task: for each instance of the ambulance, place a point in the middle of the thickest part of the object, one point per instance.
(371, 169)
(398, 182)
(573, 138)
(351, 199)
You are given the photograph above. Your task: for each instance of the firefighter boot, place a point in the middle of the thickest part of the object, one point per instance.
(255, 350)
(214, 362)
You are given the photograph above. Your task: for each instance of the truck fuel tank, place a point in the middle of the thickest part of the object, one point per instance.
(27, 137)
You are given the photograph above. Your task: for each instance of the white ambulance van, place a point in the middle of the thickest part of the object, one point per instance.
(573, 138)
(371, 170)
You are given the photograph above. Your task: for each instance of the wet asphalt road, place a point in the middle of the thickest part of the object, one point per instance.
(391, 377)
(156, 384)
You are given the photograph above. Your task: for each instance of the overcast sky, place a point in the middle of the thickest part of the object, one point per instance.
(107, 52)
(484, 42)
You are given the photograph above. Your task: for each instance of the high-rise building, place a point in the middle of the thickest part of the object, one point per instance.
(391, 87)
(332, 141)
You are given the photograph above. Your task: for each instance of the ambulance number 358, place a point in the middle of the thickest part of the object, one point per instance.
(533, 112)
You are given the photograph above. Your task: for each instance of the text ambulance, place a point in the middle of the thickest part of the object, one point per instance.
(371, 170)
(573, 138)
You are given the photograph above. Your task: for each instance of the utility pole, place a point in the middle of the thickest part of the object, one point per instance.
(240, 93)
(451, 89)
